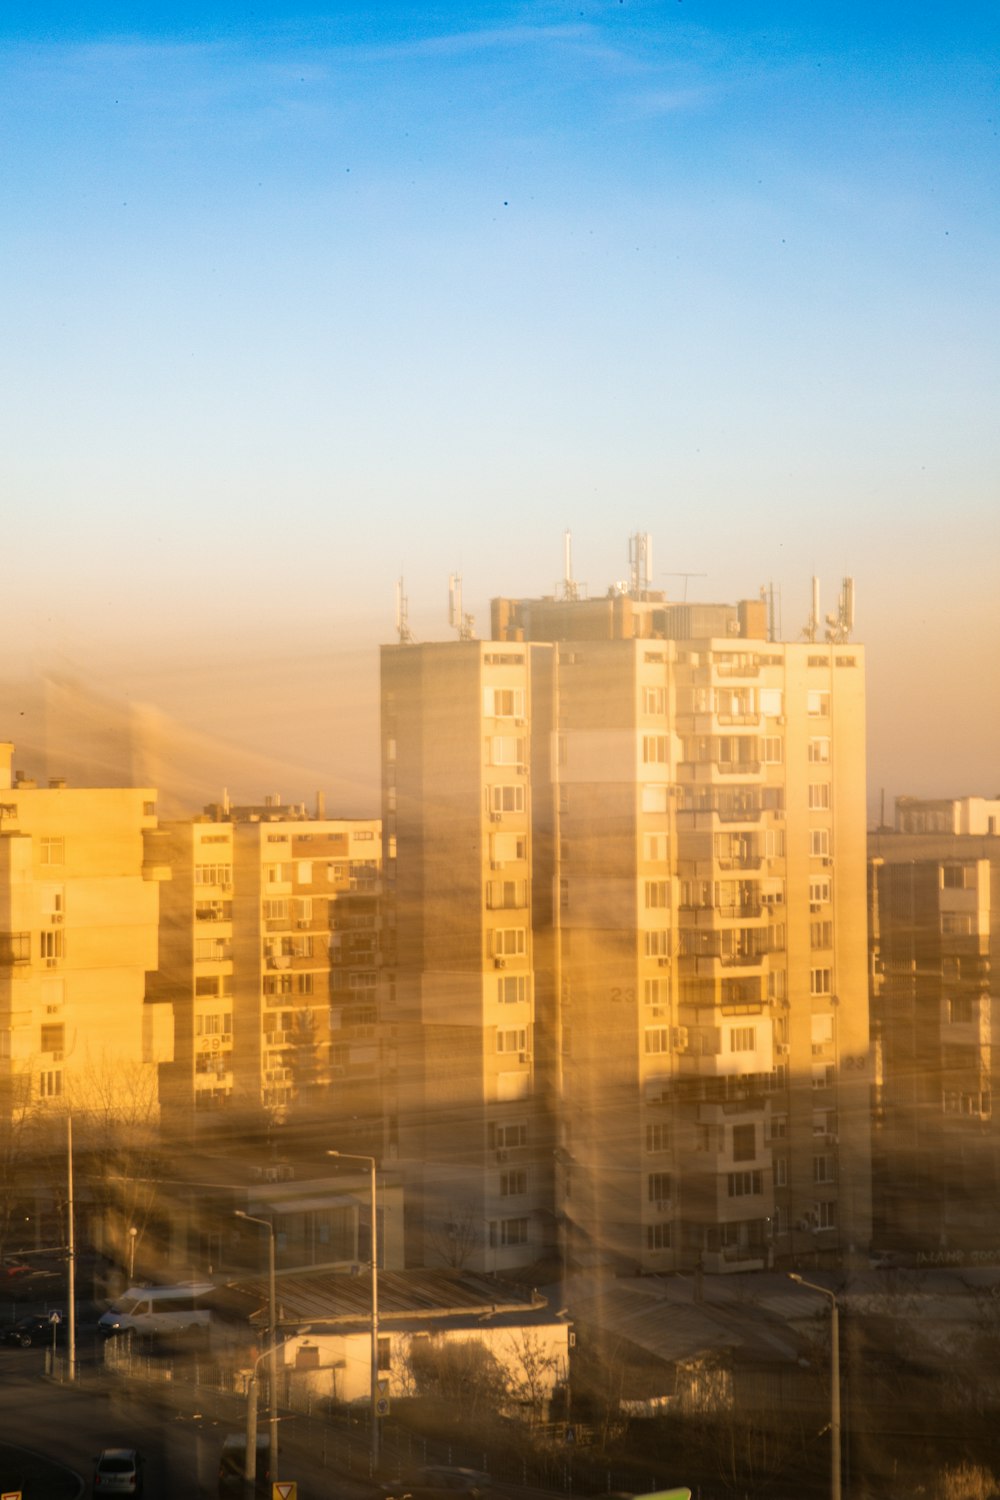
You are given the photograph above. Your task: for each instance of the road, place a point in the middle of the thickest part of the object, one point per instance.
(69, 1424)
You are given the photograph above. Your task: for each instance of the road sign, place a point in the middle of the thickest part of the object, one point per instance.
(54, 1317)
(284, 1489)
(11, 1495)
(382, 1399)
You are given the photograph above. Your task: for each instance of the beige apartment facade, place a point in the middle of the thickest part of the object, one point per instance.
(78, 937)
(687, 821)
(935, 932)
(269, 953)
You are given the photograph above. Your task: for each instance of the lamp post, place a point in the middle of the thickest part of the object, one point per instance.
(132, 1234)
(272, 1347)
(834, 1379)
(351, 1156)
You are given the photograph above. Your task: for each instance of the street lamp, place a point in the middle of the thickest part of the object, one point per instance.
(133, 1232)
(351, 1156)
(834, 1379)
(272, 1338)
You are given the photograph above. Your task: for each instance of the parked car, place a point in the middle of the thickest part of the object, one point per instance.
(117, 1471)
(437, 1482)
(35, 1328)
(232, 1466)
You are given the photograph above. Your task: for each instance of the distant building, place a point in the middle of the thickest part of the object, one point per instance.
(78, 936)
(626, 959)
(269, 932)
(935, 933)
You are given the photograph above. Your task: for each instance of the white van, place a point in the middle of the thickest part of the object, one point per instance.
(159, 1310)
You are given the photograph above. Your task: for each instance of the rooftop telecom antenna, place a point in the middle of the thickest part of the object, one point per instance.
(402, 614)
(812, 626)
(571, 589)
(840, 625)
(464, 624)
(640, 564)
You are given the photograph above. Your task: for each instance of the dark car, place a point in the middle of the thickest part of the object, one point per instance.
(232, 1466)
(440, 1482)
(35, 1328)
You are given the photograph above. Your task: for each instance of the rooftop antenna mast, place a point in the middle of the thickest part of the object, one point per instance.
(812, 628)
(685, 577)
(571, 589)
(463, 623)
(402, 614)
(640, 563)
(840, 625)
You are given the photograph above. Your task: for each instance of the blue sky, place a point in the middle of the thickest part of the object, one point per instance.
(297, 298)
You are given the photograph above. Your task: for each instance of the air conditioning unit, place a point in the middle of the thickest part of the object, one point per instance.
(494, 817)
(499, 963)
(56, 917)
(814, 906)
(503, 1156)
(664, 1205)
(664, 963)
(50, 963)
(303, 922)
(828, 859)
(782, 1049)
(525, 1057)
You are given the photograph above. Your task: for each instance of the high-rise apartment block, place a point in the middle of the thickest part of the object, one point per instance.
(269, 930)
(626, 956)
(935, 931)
(78, 936)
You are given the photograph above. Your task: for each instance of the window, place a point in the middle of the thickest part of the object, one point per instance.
(657, 1137)
(781, 1171)
(819, 751)
(779, 1127)
(656, 894)
(513, 1231)
(50, 1083)
(654, 797)
(773, 750)
(771, 703)
(820, 981)
(508, 846)
(658, 1187)
(513, 1184)
(653, 991)
(52, 851)
(826, 1215)
(821, 934)
(818, 704)
(508, 942)
(53, 1036)
(207, 984)
(51, 946)
(505, 1137)
(274, 911)
(506, 750)
(512, 989)
(819, 796)
(819, 889)
(149, 809)
(384, 1353)
(654, 846)
(506, 799)
(774, 843)
(654, 749)
(658, 1236)
(656, 943)
(823, 1169)
(744, 1142)
(958, 877)
(657, 1039)
(654, 700)
(504, 895)
(819, 843)
(961, 1010)
(745, 1184)
(503, 703)
(515, 1040)
(743, 1039)
(213, 874)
